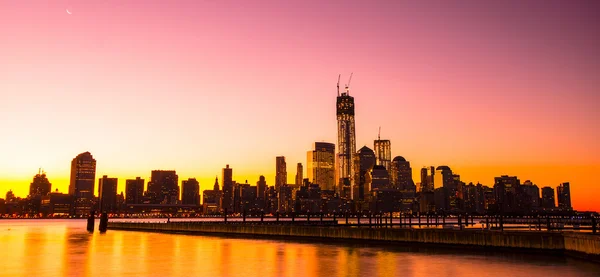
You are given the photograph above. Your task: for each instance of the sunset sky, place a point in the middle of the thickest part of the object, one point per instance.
(488, 88)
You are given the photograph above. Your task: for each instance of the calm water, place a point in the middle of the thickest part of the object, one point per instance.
(64, 248)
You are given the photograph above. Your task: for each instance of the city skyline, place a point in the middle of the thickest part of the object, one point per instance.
(159, 109)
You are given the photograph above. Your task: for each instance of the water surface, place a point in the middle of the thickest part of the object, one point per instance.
(64, 248)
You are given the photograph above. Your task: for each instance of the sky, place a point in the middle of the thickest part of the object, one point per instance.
(488, 88)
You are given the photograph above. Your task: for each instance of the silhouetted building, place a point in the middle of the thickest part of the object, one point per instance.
(10, 196)
(563, 192)
(386, 200)
(381, 178)
(321, 165)
(299, 174)
(227, 202)
(249, 199)
(284, 199)
(427, 180)
(533, 194)
(107, 194)
(190, 192)
(280, 172)
(211, 199)
(506, 191)
(81, 186)
(134, 191)
(40, 185)
(383, 153)
(548, 201)
(56, 203)
(346, 140)
(261, 191)
(401, 175)
(364, 161)
(163, 187)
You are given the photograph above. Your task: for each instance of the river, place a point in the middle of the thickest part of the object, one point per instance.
(64, 248)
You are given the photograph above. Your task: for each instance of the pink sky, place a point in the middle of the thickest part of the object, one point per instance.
(507, 87)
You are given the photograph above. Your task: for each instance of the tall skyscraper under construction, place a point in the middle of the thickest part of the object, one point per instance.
(346, 138)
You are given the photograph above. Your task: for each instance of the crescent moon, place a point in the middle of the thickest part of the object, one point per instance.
(68, 11)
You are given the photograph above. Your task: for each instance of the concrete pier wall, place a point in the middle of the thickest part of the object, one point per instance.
(571, 243)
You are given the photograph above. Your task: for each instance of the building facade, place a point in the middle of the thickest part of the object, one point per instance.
(107, 194)
(321, 165)
(190, 194)
(81, 185)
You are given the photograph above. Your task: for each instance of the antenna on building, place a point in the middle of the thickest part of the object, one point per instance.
(379, 134)
(338, 84)
(348, 85)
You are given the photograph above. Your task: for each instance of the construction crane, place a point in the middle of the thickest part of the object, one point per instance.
(338, 84)
(348, 85)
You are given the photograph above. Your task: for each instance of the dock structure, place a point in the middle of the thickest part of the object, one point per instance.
(569, 243)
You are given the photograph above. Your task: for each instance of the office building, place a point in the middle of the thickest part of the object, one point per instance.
(346, 139)
(107, 194)
(163, 187)
(134, 191)
(364, 161)
(280, 172)
(321, 165)
(563, 193)
(383, 152)
(548, 200)
(401, 175)
(40, 185)
(227, 179)
(81, 185)
(190, 192)
(299, 174)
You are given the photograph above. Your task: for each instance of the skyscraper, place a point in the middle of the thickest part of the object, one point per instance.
(548, 201)
(227, 202)
(81, 186)
(280, 172)
(320, 164)
(364, 161)
(346, 139)
(190, 192)
(163, 187)
(299, 174)
(381, 178)
(383, 152)
(134, 191)
(261, 187)
(107, 194)
(563, 193)
(40, 185)
(401, 175)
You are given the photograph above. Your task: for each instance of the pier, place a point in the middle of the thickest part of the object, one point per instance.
(582, 245)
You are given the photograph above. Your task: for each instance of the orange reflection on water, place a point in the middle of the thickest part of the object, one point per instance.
(63, 248)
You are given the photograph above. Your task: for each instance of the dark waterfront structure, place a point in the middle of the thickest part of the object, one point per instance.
(134, 191)
(107, 194)
(163, 187)
(321, 165)
(563, 193)
(81, 186)
(346, 140)
(280, 172)
(190, 192)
